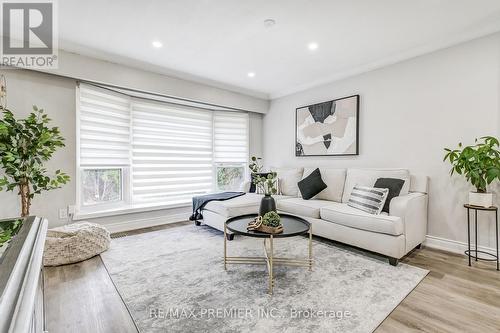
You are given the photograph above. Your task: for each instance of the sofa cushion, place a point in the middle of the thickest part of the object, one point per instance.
(245, 186)
(334, 179)
(368, 177)
(299, 206)
(341, 213)
(288, 179)
(311, 185)
(242, 205)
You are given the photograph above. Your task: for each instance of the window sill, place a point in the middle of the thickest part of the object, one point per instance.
(87, 214)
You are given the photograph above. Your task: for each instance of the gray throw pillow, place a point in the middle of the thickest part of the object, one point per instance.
(394, 186)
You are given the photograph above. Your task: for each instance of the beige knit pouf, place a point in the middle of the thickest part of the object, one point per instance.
(75, 242)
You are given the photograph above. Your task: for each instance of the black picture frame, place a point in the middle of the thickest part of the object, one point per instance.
(357, 96)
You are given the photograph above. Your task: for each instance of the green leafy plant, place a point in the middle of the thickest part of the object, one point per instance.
(479, 164)
(266, 184)
(8, 229)
(271, 219)
(25, 145)
(255, 165)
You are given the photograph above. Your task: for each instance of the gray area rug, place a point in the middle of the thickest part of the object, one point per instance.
(173, 280)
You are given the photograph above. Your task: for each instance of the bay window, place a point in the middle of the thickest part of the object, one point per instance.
(137, 152)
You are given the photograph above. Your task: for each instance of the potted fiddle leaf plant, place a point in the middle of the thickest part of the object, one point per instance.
(479, 164)
(265, 183)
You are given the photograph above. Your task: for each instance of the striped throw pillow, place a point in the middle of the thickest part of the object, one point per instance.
(368, 199)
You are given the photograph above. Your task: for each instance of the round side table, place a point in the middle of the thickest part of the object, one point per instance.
(491, 256)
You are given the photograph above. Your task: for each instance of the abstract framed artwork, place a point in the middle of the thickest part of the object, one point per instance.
(328, 128)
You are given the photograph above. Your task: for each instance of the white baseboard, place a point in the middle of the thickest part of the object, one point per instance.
(452, 245)
(145, 223)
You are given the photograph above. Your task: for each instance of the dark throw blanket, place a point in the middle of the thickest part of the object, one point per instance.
(200, 201)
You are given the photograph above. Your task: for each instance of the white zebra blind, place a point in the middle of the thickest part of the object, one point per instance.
(172, 152)
(104, 123)
(230, 137)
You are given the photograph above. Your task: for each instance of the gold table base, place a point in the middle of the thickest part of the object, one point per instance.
(269, 258)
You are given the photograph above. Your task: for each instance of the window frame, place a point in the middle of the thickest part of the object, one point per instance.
(124, 190)
(230, 165)
(126, 204)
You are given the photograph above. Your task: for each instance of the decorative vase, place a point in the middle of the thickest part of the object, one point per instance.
(267, 204)
(480, 199)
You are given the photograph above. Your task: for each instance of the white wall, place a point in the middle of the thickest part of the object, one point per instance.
(56, 95)
(409, 112)
(255, 128)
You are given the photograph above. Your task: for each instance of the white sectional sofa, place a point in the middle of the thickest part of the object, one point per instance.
(393, 235)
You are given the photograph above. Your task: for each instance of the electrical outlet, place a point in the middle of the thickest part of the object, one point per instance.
(71, 209)
(63, 213)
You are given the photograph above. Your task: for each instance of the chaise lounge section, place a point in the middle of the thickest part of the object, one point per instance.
(216, 213)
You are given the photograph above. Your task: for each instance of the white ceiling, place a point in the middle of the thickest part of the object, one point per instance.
(220, 41)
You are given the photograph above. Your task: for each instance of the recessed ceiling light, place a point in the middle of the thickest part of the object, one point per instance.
(157, 44)
(312, 46)
(251, 74)
(269, 22)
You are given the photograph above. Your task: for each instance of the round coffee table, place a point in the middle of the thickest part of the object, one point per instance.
(292, 226)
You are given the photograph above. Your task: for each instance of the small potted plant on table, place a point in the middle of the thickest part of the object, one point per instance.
(270, 223)
(479, 164)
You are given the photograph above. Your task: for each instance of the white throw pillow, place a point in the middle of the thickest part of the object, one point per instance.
(245, 186)
(288, 179)
(334, 179)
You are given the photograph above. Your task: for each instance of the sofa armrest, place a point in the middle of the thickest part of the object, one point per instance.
(412, 208)
(245, 186)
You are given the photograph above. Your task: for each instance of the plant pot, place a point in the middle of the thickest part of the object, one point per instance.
(271, 230)
(267, 204)
(481, 199)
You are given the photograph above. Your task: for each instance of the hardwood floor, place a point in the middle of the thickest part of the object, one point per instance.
(81, 298)
(452, 298)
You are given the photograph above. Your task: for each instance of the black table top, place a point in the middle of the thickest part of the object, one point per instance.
(292, 226)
